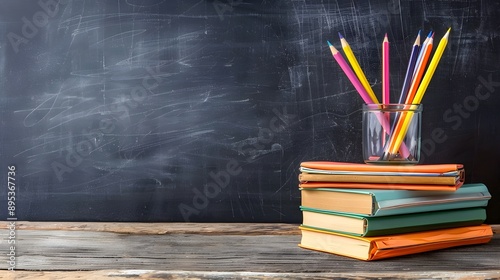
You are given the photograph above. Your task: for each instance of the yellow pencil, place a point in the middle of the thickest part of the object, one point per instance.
(420, 92)
(432, 67)
(357, 69)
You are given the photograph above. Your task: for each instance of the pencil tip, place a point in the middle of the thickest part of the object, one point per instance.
(430, 34)
(329, 44)
(341, 37)
(386, 35)
(447, 34)
(417, 40)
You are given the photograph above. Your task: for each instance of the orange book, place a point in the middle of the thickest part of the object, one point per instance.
(329, 174)
(399, 179)
(348, 166)
(381, 247)
(381, 186)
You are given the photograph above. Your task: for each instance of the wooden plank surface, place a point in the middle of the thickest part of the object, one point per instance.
(170, 228)
(215, 251)
(197, 275)
(165, 228)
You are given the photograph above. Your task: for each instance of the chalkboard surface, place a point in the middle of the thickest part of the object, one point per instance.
(203, 110)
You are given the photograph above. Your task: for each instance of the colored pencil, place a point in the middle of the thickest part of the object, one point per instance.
(350, 75)
(361, 90)
(357, 69)
(432, 67)
(409, 70)
(407, 81)
(385, 71)
(422, 48)
(420, 92)
(420, 68)
(423, 57)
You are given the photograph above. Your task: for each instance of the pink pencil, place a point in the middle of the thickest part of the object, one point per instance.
(350, 74)
(385, 70)
(362, 92)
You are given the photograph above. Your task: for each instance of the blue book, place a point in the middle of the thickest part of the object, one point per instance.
(376, 202)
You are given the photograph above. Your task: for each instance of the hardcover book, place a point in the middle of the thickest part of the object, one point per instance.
(384, 179)
(326, 174)
(372, 202)
(381, 247)
(361, 167)
(394, 224)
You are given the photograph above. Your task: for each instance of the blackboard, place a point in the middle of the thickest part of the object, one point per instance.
(203, 110)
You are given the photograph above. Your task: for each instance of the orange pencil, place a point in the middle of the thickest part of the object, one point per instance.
(417, 77)
(395, 142)
(420, 69)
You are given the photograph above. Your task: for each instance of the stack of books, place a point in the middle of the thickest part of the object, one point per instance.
(372, 212)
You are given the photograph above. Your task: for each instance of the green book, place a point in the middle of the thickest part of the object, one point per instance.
(377, 202)
(395, 224)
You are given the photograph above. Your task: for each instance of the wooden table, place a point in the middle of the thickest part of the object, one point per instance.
(49, 250)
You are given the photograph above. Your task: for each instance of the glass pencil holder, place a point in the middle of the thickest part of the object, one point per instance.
(391, 133)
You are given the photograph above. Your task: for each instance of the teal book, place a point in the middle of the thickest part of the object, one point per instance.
(387, 225)
(376, 202)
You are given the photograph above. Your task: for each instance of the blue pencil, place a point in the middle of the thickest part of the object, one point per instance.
(409, 70)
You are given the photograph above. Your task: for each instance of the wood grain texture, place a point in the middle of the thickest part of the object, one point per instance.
(171, 228)
(175, 275)
(165, 228)
(189, 251)
(77, 250)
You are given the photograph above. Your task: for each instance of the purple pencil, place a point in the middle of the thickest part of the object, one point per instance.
(409, 70)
